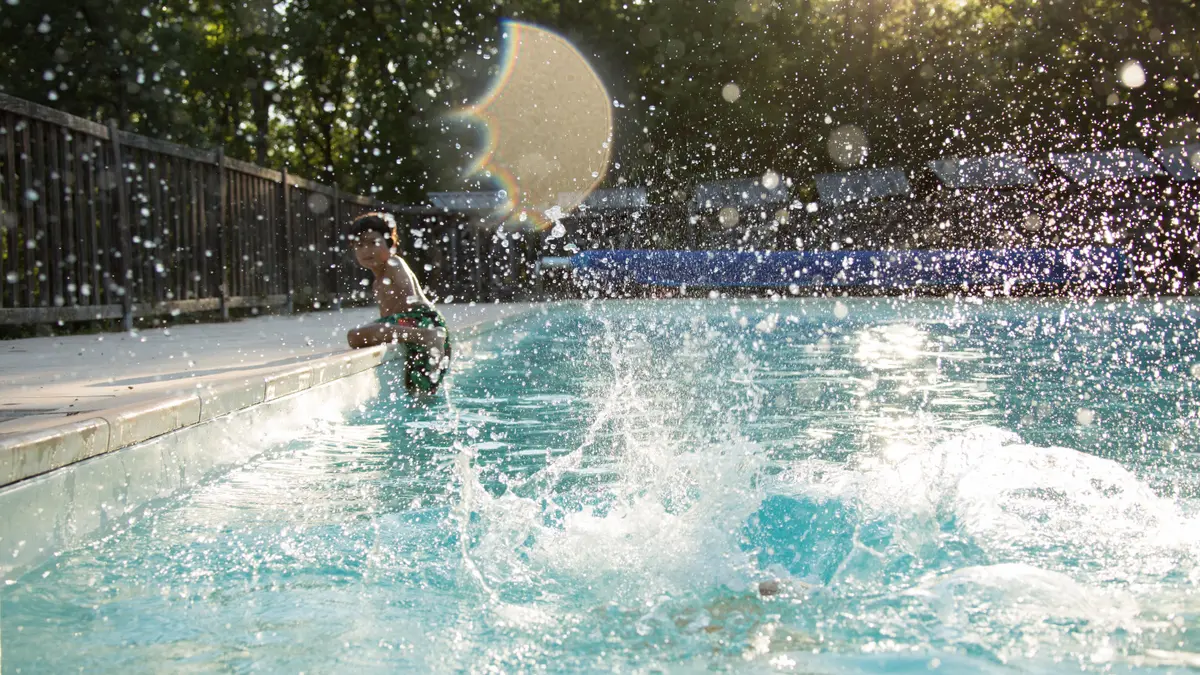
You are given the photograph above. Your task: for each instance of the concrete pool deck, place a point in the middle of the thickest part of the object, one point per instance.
(65, 399)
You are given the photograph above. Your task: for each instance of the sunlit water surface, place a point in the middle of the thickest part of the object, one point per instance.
(1009, 486)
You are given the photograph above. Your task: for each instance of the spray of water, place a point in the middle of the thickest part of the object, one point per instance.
(670, 497)
(665, 514)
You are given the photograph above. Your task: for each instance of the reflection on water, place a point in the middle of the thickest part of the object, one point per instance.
(610, 485)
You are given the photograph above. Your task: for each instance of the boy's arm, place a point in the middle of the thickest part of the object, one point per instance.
(379, 333)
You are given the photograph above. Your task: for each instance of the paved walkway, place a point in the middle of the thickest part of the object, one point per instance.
(46, 380)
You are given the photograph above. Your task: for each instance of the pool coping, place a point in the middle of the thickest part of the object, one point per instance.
(28, 454)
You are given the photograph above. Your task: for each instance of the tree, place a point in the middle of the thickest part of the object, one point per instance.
(358, 92)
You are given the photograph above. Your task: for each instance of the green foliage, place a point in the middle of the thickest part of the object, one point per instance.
(358, 91)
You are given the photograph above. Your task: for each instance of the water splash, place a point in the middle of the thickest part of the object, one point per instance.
(670, 498)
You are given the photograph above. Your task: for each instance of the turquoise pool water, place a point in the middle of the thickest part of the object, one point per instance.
(937, 485)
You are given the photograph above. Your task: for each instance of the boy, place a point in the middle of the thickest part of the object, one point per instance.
(406, 315)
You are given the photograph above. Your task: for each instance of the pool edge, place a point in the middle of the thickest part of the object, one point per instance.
(104, 478)
(29, 454)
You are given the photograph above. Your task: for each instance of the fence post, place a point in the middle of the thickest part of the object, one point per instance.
(222, 255)
(289, 244)
(123, 231)
(480, 261)
(537, 247)
(336, 300)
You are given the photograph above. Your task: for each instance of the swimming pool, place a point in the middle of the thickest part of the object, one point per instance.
(970, 486)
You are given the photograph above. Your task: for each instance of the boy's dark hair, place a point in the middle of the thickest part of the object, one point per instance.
(375, 222)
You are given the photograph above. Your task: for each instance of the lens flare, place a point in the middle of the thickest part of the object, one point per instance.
(549, 121)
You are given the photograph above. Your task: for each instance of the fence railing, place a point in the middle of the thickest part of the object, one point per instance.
(99, 223)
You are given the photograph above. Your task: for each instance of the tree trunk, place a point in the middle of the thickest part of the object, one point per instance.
(327, 151)
(260, 100)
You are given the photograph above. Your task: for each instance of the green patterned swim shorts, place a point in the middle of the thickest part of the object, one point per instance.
(424, 368)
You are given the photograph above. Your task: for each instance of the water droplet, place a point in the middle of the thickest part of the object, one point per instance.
(1131, 74)
(848, 145)
(318, 203)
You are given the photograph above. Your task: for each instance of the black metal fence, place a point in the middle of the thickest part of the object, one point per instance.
(99, 223)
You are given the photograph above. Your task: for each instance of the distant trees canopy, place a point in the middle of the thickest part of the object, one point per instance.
(357, 89)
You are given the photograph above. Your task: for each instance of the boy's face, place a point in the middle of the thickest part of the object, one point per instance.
(371, 249)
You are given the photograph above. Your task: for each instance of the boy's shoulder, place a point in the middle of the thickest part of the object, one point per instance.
(397, 262)
(395, 266)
